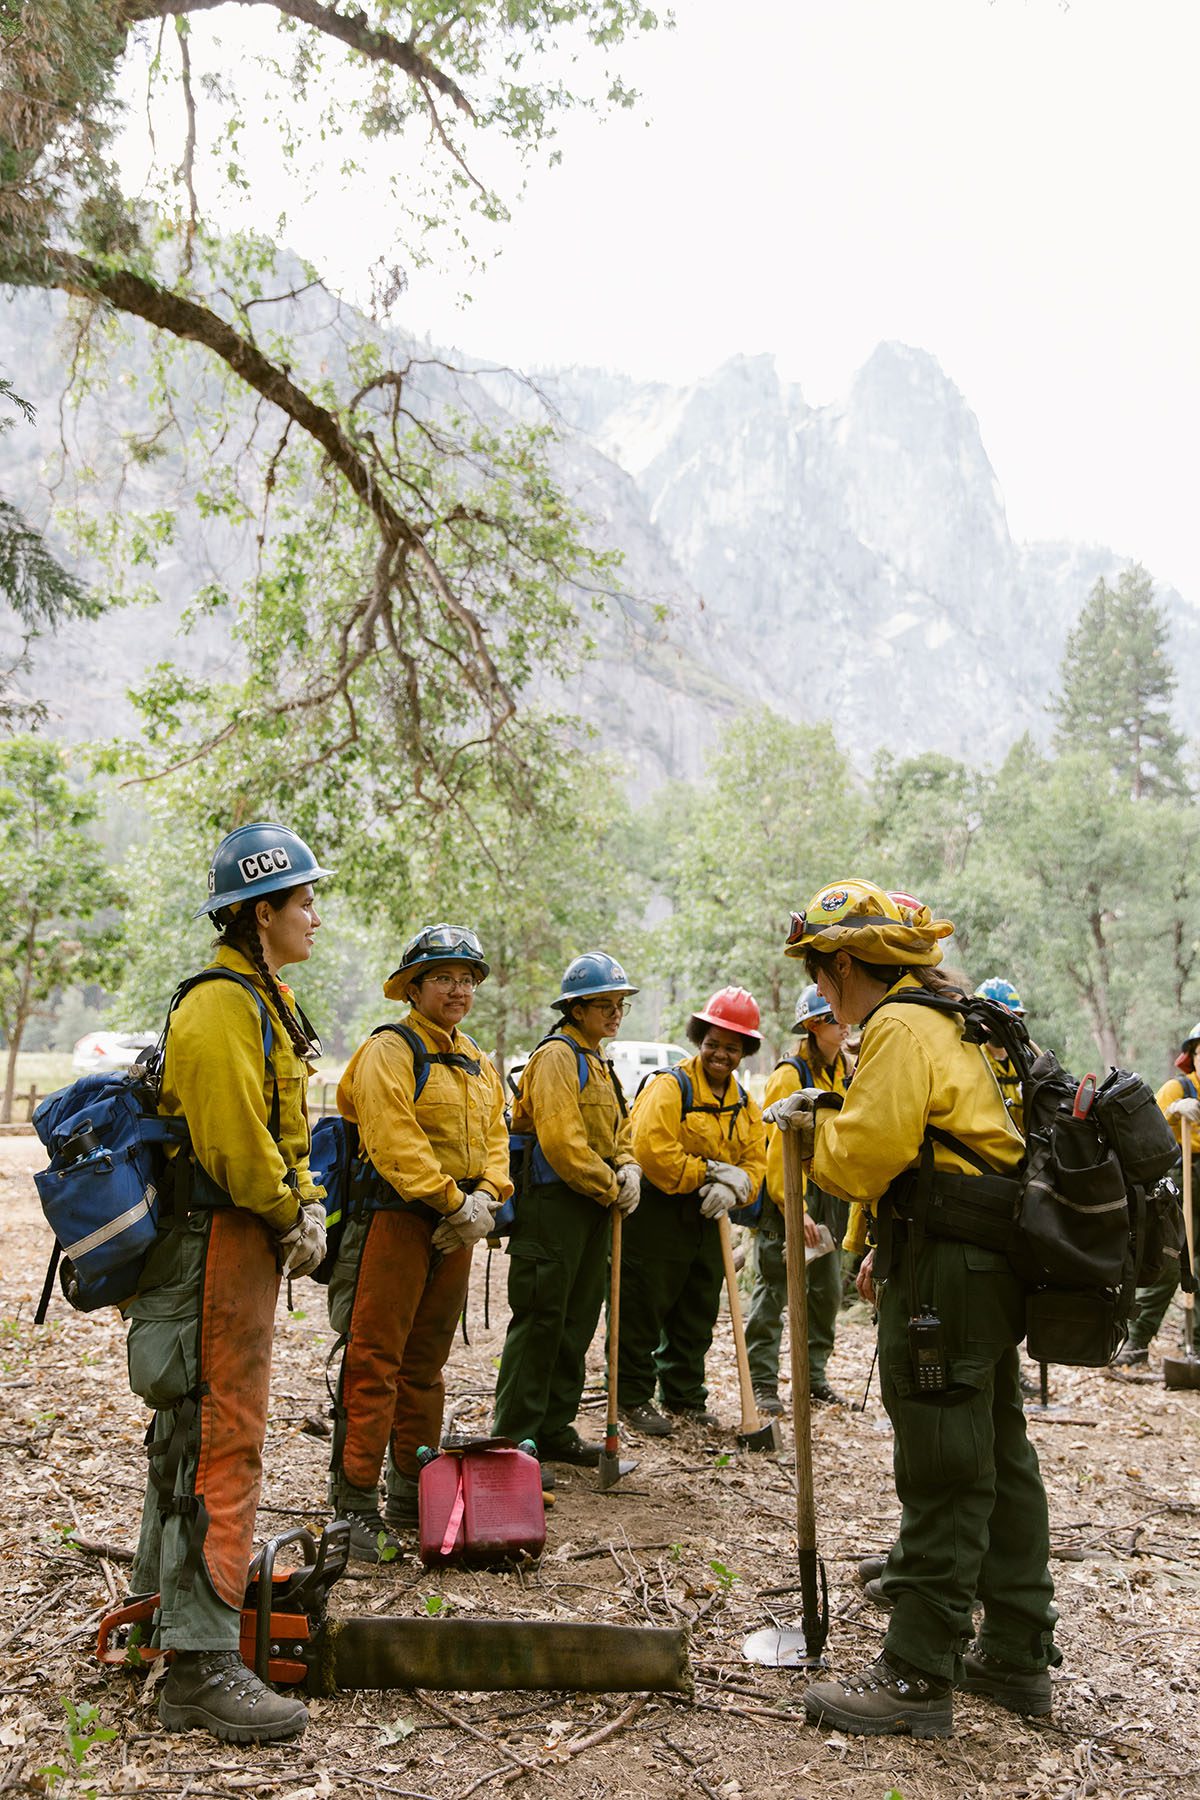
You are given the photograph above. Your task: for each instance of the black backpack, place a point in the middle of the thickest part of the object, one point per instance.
(1089, 1215)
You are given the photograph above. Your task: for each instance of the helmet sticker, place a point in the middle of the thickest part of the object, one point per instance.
(833, 900)
(264, 863)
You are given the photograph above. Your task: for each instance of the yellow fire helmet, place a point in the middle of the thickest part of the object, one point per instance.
(857, 916)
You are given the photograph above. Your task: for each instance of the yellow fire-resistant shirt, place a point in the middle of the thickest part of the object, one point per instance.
(454, 1132)
(834, 1077)
(913, 1071)
(214, 1077)
(1168, 1093)
(579, 1132)
(1009, 1083)
(673, 1149)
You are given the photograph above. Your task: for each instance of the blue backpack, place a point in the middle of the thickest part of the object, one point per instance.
(751, 1213)
(107, 1144)
(342, 1167)
(527, 1164)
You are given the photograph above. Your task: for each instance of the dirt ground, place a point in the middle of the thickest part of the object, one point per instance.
(694, 1536)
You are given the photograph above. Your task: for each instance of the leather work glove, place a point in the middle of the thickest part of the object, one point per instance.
(473, 1220)
(734, 1178)
(798, 1112)
(1185, 1109)
(301, 1248)
(629, 1188)
(716, 1199)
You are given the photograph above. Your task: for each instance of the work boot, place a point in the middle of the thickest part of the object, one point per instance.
(884, 1698)
(768, 1402)
(647, 1419)
(371, 1540)
(820, 1390)
(873, 1589)
(548, 1477)
(402, 1511)
(213, 1690)
(570, 1448)
(695, 1415)
(871, 1568)
(1131, 1357)
(1020, 1690)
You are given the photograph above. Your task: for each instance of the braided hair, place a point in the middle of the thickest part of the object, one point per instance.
(239, 931)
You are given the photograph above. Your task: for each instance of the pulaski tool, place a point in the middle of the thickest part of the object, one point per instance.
(289, 1637)
(755, 1434)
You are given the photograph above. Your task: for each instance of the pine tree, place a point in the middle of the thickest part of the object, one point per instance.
(1116, 687)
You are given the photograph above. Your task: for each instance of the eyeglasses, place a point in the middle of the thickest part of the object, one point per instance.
(613, 1009)
(448, 982)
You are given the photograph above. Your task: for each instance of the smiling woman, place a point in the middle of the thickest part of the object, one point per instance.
(699, 1139)
(243, 1207)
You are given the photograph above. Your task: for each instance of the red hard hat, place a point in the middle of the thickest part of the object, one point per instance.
(733, 1009)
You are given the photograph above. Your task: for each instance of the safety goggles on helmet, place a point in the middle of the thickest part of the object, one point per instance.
(436, 944)
(859, 917)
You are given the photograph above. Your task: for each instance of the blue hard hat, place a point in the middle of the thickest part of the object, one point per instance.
(996, 988)
(810, 1007)
(591, 974)
(436, 944)
(258, 859)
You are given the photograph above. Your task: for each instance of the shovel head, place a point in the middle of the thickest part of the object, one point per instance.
(786, 1649)
(1181, 1372)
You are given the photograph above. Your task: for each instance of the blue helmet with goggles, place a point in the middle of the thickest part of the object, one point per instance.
(996, 988)
(436, 944)
(257, 859)
(811, 1008)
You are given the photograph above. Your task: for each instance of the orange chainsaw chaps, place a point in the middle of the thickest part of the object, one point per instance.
(241, 1285)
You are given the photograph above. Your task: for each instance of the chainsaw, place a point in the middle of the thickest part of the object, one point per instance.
(290, 1638)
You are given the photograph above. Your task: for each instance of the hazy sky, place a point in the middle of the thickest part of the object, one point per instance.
(1011, 186)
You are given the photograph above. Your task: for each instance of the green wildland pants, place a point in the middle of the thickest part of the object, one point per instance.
(557, 1271)
(768, 1298)
(974, 1522)
(671, 1278)
(1150, 1306)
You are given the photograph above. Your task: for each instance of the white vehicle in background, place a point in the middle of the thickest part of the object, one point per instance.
(632, 1060)
(100, 1052)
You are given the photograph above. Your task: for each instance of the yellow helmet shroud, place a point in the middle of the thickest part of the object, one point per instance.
(859, 917)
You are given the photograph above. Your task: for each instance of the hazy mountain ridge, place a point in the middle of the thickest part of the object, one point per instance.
(850, 561)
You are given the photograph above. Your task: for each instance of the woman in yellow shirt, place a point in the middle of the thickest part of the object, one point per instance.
(699, 1140)
(243, 1208)
(924, 1117)
(430, 1114)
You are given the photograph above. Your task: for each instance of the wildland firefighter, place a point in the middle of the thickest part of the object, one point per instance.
(819, 1061)
(242, 1210)
(429, 1109)
(1179, 1099)
(700, 1142)
(922, 1108)
(998, 988)
(578, 1164)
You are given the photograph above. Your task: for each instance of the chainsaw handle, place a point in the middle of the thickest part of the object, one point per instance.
(138, 1611)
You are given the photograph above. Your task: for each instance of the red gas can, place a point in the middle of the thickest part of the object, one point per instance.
(481, 1503)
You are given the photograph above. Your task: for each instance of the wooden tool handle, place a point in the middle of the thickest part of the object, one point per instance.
(1189, 1224)
(614, 1320)
(750, 1418)
(793, 1221)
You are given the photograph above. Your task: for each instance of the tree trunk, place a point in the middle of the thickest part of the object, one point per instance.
(21, 1012)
